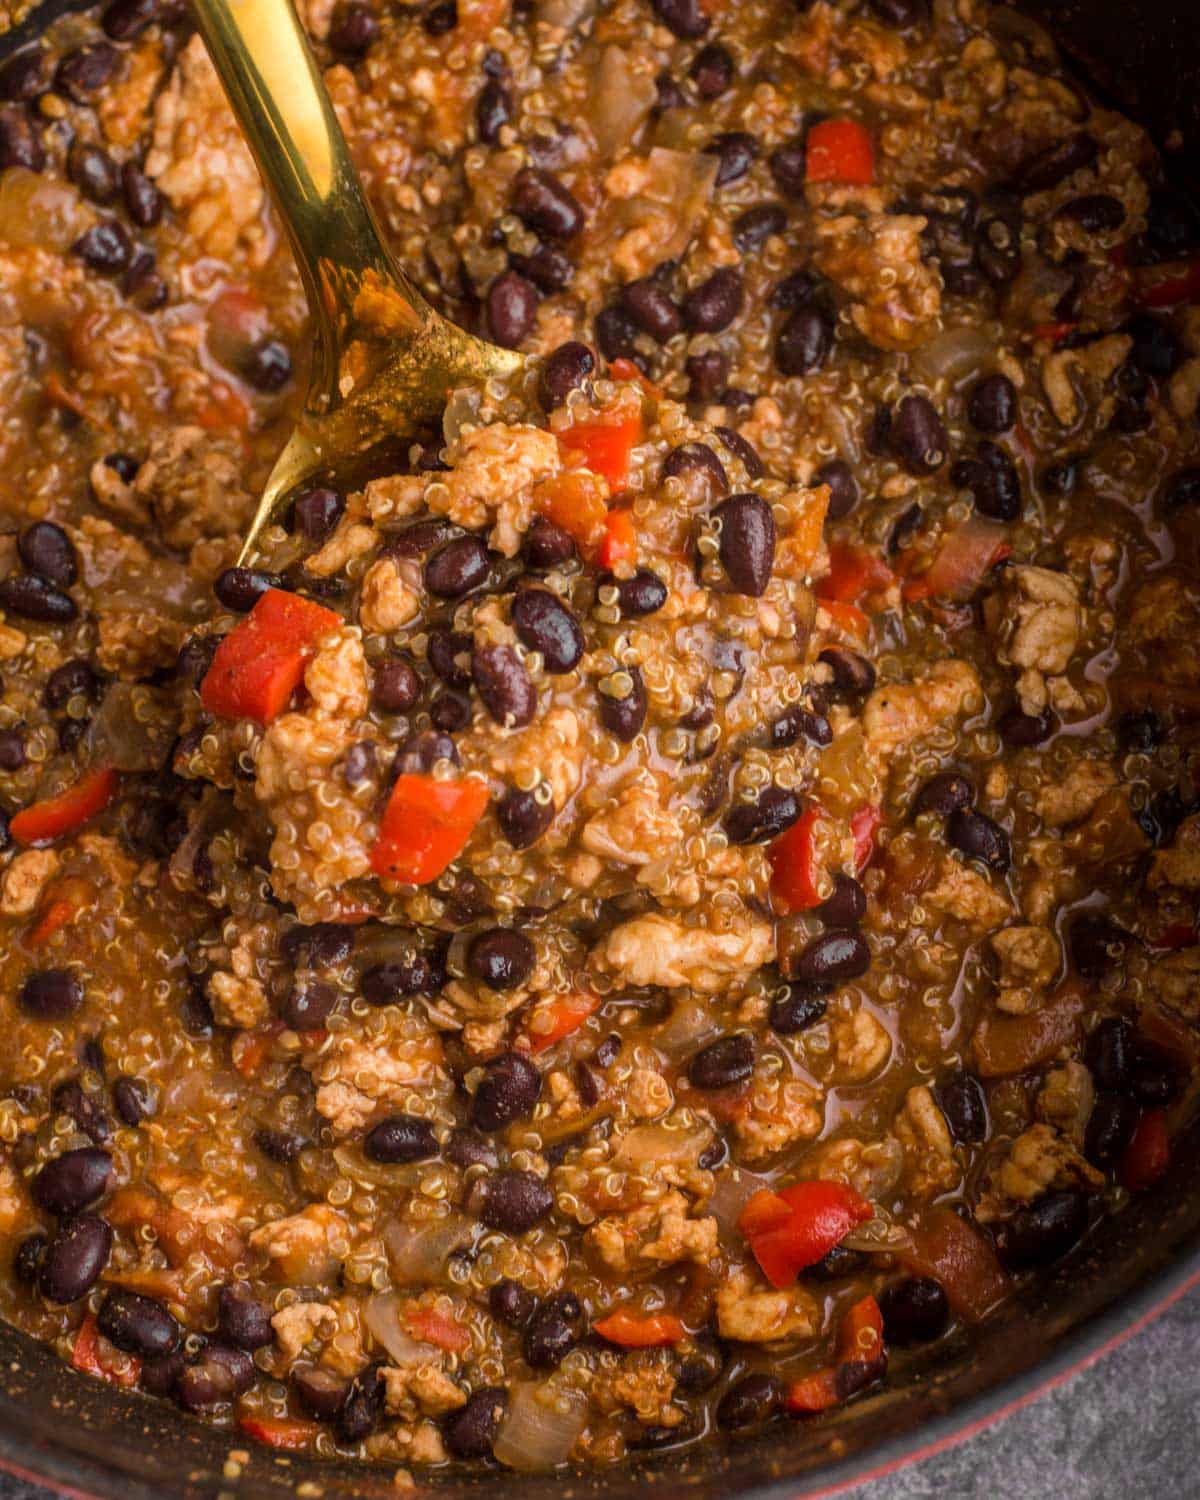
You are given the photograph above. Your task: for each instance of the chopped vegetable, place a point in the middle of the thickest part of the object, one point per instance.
(279, 1432)
(439, 1328)
(575, 501)
(55, 816)
(1005, 1045)
(52, 919)
(864, 825)
(797, 1226)
(955, 1254)
(639, 1330)
(1167, 285)
(1054, 332)
(260, 663)
(87, 1356)
(625, 369)
(425, 826)
(620, 540)
(796, 868)
(541, 1426)
(839, 151)
(853, 573)
(1146, 1157)
(848, 618)
(604, 445)
(964, 559)
(558, 1018)
(859, 1359)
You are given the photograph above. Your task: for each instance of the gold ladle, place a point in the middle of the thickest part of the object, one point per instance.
(384, 363)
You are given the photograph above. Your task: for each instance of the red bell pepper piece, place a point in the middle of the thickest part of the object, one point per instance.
(795, 864)
(620, 540)
(1167, 285)
(962, 562)
(839, 151)
(279, 1432)
(605, 446)
(260, 663)
(625, 369)
(864, 825)
(86, 1356)
(51, 818)
(819, 1216)
(639, 1330)
(859, 1358)
(847, 617)
(559, 1018)
(1055, 332)
(425, 825)
(1145, 1158)
(853, 572)
(434, 1327)
(956, 1254)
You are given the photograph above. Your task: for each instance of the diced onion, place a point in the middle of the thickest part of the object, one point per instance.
(689, 1024)
(623, 98)
(734, 1189)
(648, 1144)
(953, 355)
(382, 1317)
(540, 1427)
(418, 1252)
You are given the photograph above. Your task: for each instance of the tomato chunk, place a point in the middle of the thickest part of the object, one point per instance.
(434, 1327)
(605, 446)
(575, 501)
(639, 1330)
(426, 825)
(559, 1018)
(620, 540)
(962, 562)
(860, 1358)
(1146, 1157)
(86, 1356)
(956, 1254)
(795, 864)
(839, 151)
(279, 1432)
(50, 819)
(819, 1216)
(1167, 285)
(864, 825)
(853, 572)
(260, 663)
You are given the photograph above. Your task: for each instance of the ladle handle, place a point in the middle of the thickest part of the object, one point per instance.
(263, 58)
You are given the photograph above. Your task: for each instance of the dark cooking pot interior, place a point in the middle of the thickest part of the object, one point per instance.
(85, 1436)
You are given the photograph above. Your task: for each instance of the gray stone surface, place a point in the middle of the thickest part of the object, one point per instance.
(1125, 1427)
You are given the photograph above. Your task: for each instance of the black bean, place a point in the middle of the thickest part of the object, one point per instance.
(138, 1325)
(668, 94)
(493, 109)
(1110, 1128)
(449, 654)
(504, 685)
(74, 679)
(322, 1393)
(159, 1377)
(396, 686)
(440, 18)
(1095, 213)
(34, 599)
(750, 1401)
(553, 1332)
(309, 1005)
(74, 1258)
(991, 476)
(1020, 729)
(707, 373)
(978, 837)
(545, 624)
(511, 1303)
(998, 244)
(643, 594)
(714, 304)
(353, 28)
(1046, 169)
(843, 487)
(466, 1148)
(915, 1311)
(1043, 1232)
(834, 957)
(48, 551)
(523, 817)
(758, 822)
(514, 1201)
(722, 1063)
(616, 333)
(73, 1181)
(280, 1146)
(69, 1097)
(23, 76)
(450, 712)
(20, 143)
(543, 204)
(799, 723)
(400, 1138)
(500, 958)
(549, 267)
(747, 542)
(712, 71)
(421, 537)
(50, 995)
(317, 512)
(701, 1366)
(12, 749)
(1060, 478)
(509, 1089)
(92, 171)
(457, 567)
(547, 546)
(105, 248)
(992, 404)
(651, 308)
(697, 458)
(917, 437)
(899, 14)
(266, 365)
(853, 674)
(240, 589)
(385, 984)
(124, 20)
(83, 71)
(801, 1007)
(735, 151)
(1095, 944)
(683, 18)
(214, 1379)
(243, 1320)
(564, 371)
(943, 794)
(27, 1262)
(752, 229)
(960, 1098)
(804, 342)
(788, 165)
(836, 1265)
(471, 1431)
(1182, 489)
(846, 906)
(512, 303)
(623, 717)
(743, 450)
(362, 1408)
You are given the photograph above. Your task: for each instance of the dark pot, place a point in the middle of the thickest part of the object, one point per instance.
(91, 1440)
